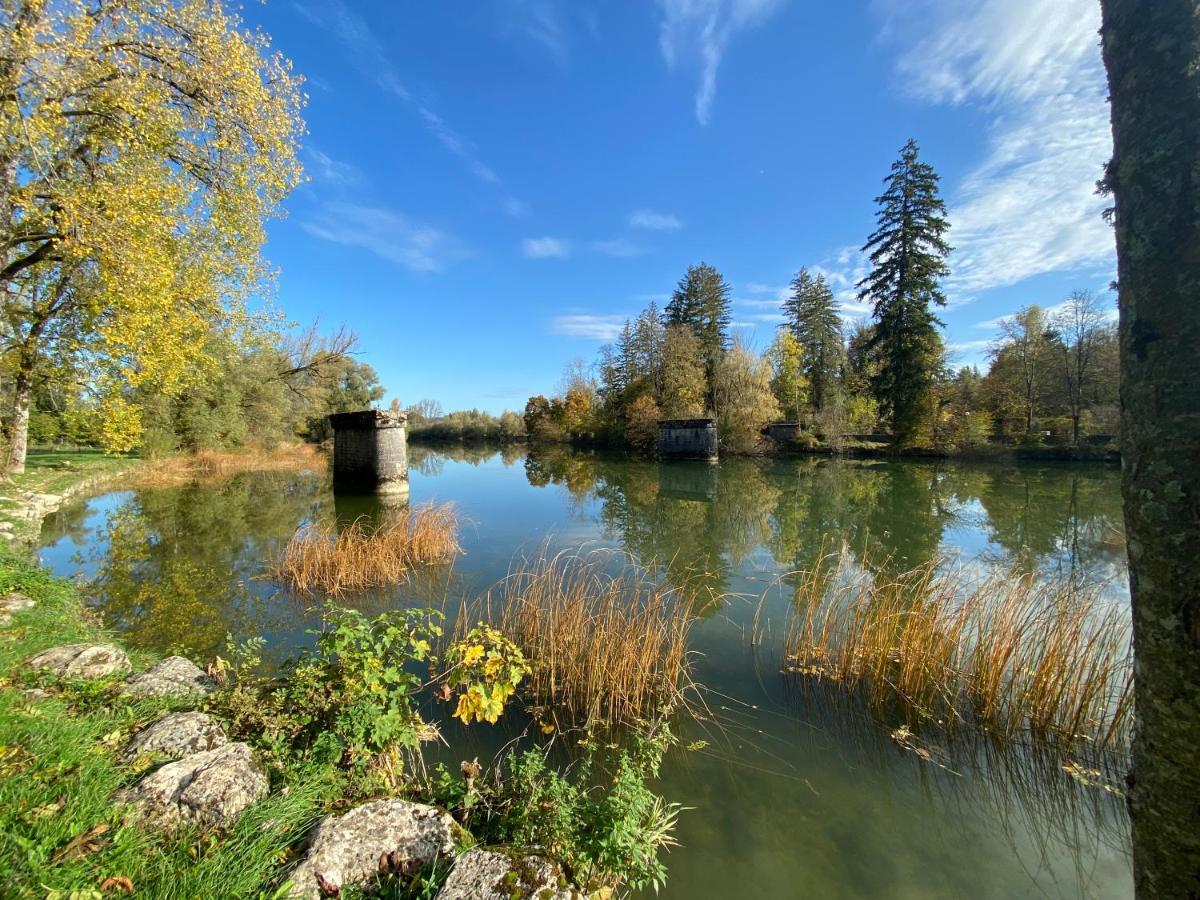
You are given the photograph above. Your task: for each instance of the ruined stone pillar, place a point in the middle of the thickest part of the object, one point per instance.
(687, 439)
(370, 452)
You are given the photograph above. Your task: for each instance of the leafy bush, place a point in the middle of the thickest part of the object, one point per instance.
(488, 667)
(603, 822)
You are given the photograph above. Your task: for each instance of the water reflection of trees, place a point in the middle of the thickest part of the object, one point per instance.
(699, 519)
(178, 567)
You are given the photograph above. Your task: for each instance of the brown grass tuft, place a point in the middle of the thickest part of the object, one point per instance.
(604, 648)
(212, 465)
(1010, 652)
(360, 557)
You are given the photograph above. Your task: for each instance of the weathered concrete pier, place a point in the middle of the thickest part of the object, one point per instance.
(370, 452)
(688, 439)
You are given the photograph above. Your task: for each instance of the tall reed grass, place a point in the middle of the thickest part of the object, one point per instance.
(362, 557)
(212, 465)
(1012, 653)
(604, 648)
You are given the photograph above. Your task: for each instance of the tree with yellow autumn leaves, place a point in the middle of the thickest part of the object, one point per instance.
(143, 146)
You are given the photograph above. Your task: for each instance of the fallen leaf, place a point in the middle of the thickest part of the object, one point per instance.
(82, 844)
(119, 883)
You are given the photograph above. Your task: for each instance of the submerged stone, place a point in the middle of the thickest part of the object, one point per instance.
(492, 875)
(177, 735)
(209, 789)
(384, 835)
(81, 661)
(173, 676)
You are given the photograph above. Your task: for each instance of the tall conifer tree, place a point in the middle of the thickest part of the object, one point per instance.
(814, 320)
(701, 303)
(908, 258)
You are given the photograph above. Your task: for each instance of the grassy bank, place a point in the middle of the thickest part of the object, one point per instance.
(51, 479)
(60, 833)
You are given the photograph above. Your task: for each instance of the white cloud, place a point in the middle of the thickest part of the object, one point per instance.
(387, 234)
(618, 247)
(654, 221)
(540, 21)
(1035, 69)
(705, 27)
(779, 291)
(368, 56)
(584, 325)
(546, 248)
(327, 169)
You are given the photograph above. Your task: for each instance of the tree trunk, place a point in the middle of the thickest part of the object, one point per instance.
(18, 438)
(1151, 53)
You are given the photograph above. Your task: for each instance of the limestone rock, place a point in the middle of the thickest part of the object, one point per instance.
(490, 875)
(347, 850)
(82, 660)
(11, 603)
(176, 736)
(208, 789)
(174, 675)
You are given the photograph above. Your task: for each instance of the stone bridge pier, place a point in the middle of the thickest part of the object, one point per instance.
(370, 452)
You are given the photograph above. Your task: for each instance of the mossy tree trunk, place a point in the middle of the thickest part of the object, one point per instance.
(1152, 50)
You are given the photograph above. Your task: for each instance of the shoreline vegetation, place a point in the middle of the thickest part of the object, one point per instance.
(341, 725)
(1012, 655)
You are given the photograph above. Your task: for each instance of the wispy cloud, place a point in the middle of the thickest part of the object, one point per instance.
(585, 325)
(1029, 207)
(541, 21)
(388, 234)
(369, 58)
(654, 221)
(546, 248)
(325, 168)
(618, 247)
(704, 28)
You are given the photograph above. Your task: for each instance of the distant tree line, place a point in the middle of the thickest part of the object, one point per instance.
(1052, 377)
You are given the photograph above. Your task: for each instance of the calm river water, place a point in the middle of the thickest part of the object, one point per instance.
(795, 794)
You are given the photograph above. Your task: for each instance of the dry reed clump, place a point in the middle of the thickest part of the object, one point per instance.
(606, 649)
(361, 557)
(1010, 652)
(212, 465)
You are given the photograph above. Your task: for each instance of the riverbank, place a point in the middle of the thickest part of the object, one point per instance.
(221, 782)
(51, 480)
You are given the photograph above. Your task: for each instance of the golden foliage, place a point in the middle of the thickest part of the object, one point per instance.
(146, 142)
(360, 557)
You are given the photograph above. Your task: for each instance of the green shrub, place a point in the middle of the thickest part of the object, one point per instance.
(603, 821)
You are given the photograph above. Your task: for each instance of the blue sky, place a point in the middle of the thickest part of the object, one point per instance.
(496, 184)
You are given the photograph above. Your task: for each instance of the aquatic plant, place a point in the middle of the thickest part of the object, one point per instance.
(603, 647)
(361, 556)
(213, 465)
(1010, 652)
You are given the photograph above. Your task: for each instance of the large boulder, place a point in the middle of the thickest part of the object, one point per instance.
(11, 603)
(208, 789)
(384, 835)
(176, 736)
(495, 875)
(82, 661)
(173, 676)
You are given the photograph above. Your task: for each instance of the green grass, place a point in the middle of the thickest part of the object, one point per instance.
(59, 770)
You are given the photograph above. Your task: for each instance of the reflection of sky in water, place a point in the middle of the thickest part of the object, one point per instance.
(795, 794)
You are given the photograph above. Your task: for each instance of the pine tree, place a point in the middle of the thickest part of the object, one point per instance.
(908, 258)
(814, 321)
(701, 302)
